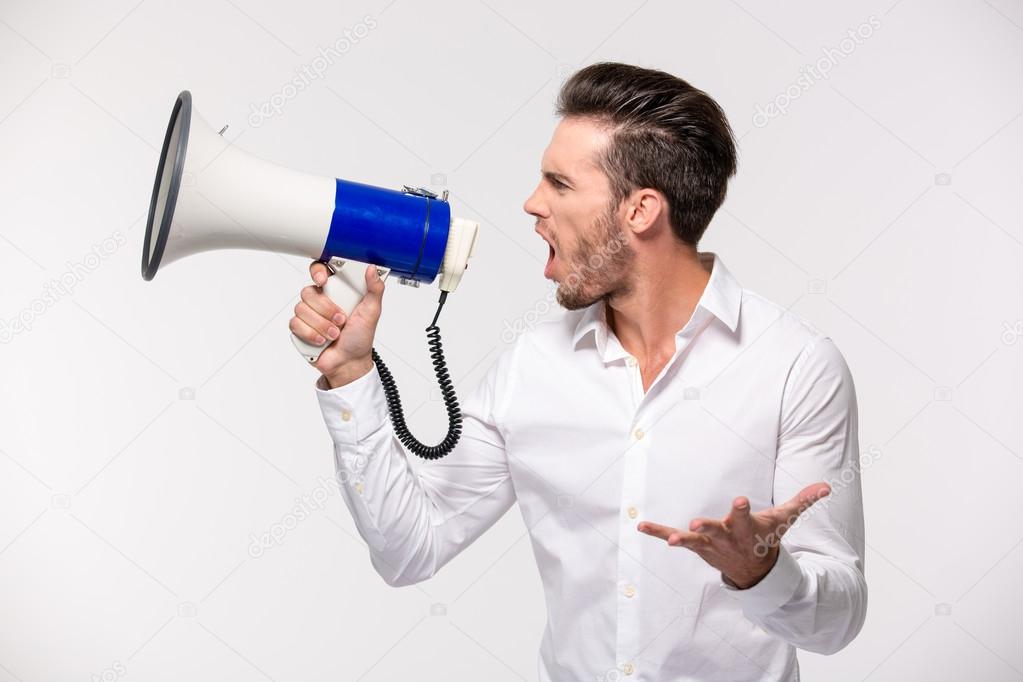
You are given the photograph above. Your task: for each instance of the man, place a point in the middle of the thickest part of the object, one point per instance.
(660, 438)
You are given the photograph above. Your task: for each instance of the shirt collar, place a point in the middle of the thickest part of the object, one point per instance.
(721, 298)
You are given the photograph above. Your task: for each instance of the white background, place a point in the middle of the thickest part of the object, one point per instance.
(150, 430)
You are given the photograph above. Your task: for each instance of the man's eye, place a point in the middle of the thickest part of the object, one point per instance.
(558, 184)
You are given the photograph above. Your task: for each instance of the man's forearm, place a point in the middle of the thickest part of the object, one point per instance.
(412, 522)
(383, 494)
(814, 603)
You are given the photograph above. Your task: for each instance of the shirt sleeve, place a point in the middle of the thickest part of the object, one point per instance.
(414, 523)
(815, 596)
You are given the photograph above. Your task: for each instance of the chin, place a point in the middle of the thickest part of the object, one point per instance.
(575, 299)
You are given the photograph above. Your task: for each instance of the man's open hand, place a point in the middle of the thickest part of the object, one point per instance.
(743, 546)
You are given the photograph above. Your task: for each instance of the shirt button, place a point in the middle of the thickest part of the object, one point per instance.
(638, 433)
(630, 591)
(358, 488)
(628, 669)
(631, 362)
(633, 512)
(346, 415)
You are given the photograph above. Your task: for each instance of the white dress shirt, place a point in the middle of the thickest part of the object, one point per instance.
(754, 402)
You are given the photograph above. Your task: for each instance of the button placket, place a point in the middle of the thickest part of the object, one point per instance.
(633, 491)
(635, 379)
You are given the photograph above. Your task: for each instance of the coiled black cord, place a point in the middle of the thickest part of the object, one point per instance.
(447, 390)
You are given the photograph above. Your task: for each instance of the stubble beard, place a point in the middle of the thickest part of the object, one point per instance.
(601, 269)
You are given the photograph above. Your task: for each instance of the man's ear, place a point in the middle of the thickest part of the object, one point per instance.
(644, 207)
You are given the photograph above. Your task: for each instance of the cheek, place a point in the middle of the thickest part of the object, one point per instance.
(577, 234)
(565, 238)
(568, 226)
(574, 217)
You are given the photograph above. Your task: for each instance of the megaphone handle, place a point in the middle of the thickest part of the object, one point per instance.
(345, 286)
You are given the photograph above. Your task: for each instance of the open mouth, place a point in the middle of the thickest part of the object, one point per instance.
(548, 269)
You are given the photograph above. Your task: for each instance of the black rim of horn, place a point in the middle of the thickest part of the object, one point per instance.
(182, 109)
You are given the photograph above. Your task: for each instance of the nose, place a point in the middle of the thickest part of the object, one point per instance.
(535, 206)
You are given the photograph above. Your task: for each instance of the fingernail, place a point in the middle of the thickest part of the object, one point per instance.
(320, 339)
(338, 318)
(318, 278)
(333, 332)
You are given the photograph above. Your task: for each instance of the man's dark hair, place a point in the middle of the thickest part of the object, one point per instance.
(665, 135)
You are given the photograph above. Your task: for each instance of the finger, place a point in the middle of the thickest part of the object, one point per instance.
(739, 519)
(321, 303)
(693, 541)
(318, 271)
(673, 536)
(709, 527)
(316, 321)
(655, 529)
(305, 332)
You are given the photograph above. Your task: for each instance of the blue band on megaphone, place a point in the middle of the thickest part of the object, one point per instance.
(404, 232)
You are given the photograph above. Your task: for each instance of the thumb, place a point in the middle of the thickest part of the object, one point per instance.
(374, 288)
(803, 500)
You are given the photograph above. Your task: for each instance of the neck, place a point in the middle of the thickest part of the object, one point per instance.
(661, 301)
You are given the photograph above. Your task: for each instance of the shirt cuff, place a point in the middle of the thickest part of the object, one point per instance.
(774, 590)
(353, 411)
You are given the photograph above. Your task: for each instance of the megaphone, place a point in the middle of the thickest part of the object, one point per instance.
(208, 195)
